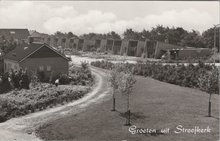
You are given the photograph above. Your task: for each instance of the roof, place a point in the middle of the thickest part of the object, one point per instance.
(15, 33)
(37, 34)
(189, 49)
(22, 52)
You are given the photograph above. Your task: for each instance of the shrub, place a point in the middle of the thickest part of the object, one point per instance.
(80, 75)
(64, 79)
(14, 80)
(187, 76)
(5, 85)
(18, 103)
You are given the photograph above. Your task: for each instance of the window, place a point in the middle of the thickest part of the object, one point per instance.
(48, 68)
(41, 68)
(12, 32)
(63, 40)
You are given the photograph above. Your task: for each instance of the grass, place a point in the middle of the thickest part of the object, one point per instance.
(154, 105)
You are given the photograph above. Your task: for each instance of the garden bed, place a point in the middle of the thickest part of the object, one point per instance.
(21, 102)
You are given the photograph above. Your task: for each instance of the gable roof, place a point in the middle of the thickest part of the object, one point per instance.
(37, 34)
(22, 52)
(15, 33)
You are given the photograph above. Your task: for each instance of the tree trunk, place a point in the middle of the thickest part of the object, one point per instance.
(113, 98)
(210, 104)
(128, 115)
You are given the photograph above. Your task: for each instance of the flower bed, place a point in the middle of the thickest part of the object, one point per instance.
(187, 76)
(18, 103)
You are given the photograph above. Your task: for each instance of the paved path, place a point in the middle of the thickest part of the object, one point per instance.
(22, 128)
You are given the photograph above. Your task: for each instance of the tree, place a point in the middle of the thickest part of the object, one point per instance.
(193, 39)
(159, 33)
(130, 34)
(113, 35)
(126, 87)
(70, 35)
(145, 34)
(114, 80)
(175, 35)
(208, 37)
(207, 83)
(59, 33)
(7, 45)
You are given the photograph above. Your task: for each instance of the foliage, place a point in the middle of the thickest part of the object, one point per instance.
(103, 64)
(19, 79)
(127, 83)
(175, 35)
(5, 85)
(112, 35)
(14, 80)
(34, 79)
(80, 75)
(64, 79)
(65, 35)
(6, 45)
(18, 103)
(178, 74)
(208, 36)
(1, 64)
(116, 76)
(193, 39)
(208, 81)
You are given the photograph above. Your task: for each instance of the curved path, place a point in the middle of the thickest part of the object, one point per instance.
(22, 128)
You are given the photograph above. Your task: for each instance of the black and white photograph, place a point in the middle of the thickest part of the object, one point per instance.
(109, 70)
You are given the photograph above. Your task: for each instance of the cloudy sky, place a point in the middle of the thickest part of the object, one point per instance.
(101, 17)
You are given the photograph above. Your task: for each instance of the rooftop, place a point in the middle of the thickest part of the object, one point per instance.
(15, 33)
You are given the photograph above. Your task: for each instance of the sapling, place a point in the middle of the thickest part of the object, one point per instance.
(207, 82)
(126, 87)
(114, 79)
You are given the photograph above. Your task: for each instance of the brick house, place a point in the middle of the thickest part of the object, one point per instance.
(37, 57)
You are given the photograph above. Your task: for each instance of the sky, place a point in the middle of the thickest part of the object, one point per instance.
(82, 17)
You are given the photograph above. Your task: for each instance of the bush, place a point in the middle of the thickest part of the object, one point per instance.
(103, 64)
(5, 85)
(64, 79)
(18, 103)
(81, 75)
(187, 76)
(14, 80)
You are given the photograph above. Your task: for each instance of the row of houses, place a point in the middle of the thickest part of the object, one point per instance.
(139, 48)
(38, 52)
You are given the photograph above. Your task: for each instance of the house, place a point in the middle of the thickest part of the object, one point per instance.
(37, 57)
(18, 35)
(38, 37)
(189, 53)
(161, 46)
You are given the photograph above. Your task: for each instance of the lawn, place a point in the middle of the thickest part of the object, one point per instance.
(154, 105)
